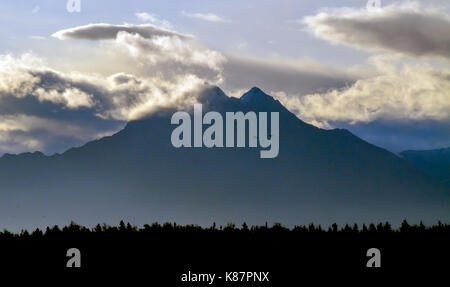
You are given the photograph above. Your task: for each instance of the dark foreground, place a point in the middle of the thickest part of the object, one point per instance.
(256, 256)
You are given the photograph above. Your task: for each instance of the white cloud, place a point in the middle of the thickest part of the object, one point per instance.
(72, 98)
(37, 102)
(209, 17)
(408, 28)
(164, 66)
(170, 57)
(399, 92)
(154, 19)
(20, 78)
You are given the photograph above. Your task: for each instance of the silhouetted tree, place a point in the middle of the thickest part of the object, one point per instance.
(230, 227)
(37, 233)
(122, 226)
(24, 234)
(421, 226)
(98, 228)
(380, 227)
(364, 228)
(405, 226)
(387, 227)
(347, 228)
(334, 227)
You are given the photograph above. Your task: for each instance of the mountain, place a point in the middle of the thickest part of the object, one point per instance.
(435, 163)
(320, 176)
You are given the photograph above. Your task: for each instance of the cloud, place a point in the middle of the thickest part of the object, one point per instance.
(209, 17)
(154, 19)
(149, 67)
(103, 31)
(409, 28)
(163, 67)
(149, 72)
(47, 110)
(292, 77)
(21, 78)
(169, 57)
(42, 109)
(400, 92)
(21, 133)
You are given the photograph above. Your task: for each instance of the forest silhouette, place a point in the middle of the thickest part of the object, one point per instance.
(123, 229)
(165, 251)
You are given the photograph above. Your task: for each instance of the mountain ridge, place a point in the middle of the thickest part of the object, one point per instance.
(136, 174)
(434, 162)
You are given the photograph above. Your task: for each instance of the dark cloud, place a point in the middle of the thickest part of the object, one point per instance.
(240, 73)
(103, 31)
(41, 109)
(408, 28)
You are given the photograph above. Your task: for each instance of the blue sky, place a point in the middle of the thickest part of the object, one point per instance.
(382, 74)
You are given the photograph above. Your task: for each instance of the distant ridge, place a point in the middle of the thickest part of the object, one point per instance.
(435, 163)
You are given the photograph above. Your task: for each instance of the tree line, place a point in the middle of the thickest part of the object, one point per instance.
(128, 228)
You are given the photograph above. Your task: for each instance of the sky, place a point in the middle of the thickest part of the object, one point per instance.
(68, 77)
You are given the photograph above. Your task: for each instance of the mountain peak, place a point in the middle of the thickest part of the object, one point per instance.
(211, 94)
(256, 90)
(256, 96)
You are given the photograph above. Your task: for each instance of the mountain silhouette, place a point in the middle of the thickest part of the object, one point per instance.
(435, 163)
(320, 176)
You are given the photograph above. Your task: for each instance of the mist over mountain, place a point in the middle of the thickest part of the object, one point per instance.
(320, 176)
